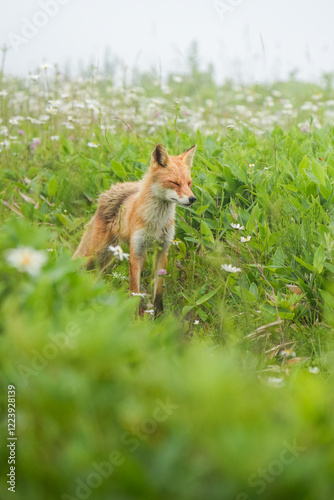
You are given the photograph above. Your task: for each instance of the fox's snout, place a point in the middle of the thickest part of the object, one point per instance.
(192, 199)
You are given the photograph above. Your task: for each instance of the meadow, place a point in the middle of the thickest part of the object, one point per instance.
(229, 394)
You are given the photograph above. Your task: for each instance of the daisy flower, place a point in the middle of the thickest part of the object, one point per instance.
(313, 369)
(237, 226)
(51, 110)
(92, 145)
(118, 252)
(230, 269)
(245, 240)
(26, 259)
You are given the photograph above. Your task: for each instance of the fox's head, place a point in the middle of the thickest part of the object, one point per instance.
(171, 179)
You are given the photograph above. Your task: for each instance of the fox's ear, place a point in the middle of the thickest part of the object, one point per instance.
(187, 156)
(160, 155)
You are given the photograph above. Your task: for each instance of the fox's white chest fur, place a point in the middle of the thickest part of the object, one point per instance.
(158, 216)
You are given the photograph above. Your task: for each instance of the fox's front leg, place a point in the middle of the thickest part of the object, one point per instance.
(137, 262)
(160, 263)
(136, 267)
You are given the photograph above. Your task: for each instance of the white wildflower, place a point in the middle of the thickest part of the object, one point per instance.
(55, 103)
(51, 110)
(92, 145)
(313, 369)
(245, 240)
(54, 138)
(26, 259)
(237, 226)
(118, 252)
(230, 269)
(196, 322)
(150, 311)
(142, 295)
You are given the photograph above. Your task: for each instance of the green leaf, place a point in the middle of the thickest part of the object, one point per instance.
(328, 298)
(181, 246)
(329, 266)
(210, 145)
(253, 289)
(305, 264)
(278, 258)
(206, 231)
(207, 296)
(69, 223)
(118, 169)
(186, 310)
(202, 314)
(239, 173)
(245, 295)
(319, 172)
(208, 163)
(325, 191)
(202, 209)
(286, 315)
(304, 164)
(188, 229)
(318, 258)
(52, 186)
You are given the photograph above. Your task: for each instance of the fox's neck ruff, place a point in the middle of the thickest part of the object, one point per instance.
(157, 212)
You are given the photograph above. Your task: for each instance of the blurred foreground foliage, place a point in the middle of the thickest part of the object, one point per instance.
(110, 406)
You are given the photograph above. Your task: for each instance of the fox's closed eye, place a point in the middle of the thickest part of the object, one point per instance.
(175, 183)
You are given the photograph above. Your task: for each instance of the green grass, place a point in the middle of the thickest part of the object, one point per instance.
(88, 372)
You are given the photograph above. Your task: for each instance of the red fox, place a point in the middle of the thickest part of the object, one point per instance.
(142, 215)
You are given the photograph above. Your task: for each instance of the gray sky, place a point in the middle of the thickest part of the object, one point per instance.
(256, 40)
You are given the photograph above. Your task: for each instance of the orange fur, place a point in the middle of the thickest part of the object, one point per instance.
(141, 214)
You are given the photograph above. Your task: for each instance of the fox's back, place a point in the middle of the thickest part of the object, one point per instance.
(111, 201)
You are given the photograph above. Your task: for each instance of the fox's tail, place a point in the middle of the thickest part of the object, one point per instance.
(84, 245)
